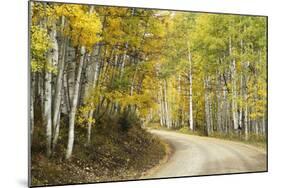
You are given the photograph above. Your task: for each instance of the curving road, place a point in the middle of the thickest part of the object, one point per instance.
(195, 155)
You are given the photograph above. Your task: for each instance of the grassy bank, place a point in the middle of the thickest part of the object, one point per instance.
(253, 140)
(115, 153)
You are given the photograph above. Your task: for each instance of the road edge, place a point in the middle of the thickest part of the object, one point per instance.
(169, 151)
(248, 145)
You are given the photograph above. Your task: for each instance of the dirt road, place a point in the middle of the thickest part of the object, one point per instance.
(195, 155)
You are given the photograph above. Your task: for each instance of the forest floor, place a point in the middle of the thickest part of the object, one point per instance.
(197, 155)
(113, 156)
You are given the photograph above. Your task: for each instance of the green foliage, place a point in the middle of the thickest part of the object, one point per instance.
(127, 120)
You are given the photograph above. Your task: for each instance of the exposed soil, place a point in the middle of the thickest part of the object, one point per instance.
(113, 155)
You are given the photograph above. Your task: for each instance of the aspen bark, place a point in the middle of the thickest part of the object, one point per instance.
(66, 98)
(246, 121)
(51, 61)
(167, 114)
(57, 95)
(32, 96)
(74, 102)
(160, 107)
(56, 133)
(234, 98)
(89, 130)
(234, 91)
(191, 126)
(219, 106)
(207, 106)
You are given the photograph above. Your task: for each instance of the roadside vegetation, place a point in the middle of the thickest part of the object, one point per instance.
(253, 140)
(115, 153)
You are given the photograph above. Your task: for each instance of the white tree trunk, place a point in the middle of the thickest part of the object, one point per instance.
(71, 80)
(241, 107)
(191, 126)
(93, 82)
(167, 113)
(219, 103)
(74, 102)
(219, 114)
(66, 98)
(41, 91)
(32, 92)
(234, 92)
(211, 116)
(97, 69)
(89, 131)
(133, 81)
(48, 109)
(56, 133)
(124, 60)
(207, 106)
(264, 125)
(51, 61)
(234, 98)
(246, 119)
(225, 110)
(32, 95)
(57, 95)
(160, 106)
(246, 122)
